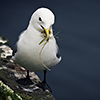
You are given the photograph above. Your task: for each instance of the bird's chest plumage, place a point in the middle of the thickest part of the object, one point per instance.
(31, 44)
(29, 52)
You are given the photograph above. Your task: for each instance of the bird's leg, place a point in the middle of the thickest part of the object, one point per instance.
(25, 81)
(44, 80)
(27, 76)
(44, 84)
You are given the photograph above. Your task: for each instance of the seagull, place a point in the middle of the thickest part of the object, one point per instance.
(37, 50)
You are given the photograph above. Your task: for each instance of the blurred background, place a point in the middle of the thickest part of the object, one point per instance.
(77, 76)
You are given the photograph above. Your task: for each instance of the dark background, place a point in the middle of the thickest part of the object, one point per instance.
(77, 77)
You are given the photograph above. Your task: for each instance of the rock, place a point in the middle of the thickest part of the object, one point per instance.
(6, 51)
(10, 72)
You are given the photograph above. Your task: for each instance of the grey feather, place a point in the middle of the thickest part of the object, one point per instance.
(58, 54)
(15, 49)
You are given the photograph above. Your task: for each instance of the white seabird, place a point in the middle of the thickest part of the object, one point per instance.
(27, 52)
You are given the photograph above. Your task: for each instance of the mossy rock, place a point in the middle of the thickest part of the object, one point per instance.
(9, 72)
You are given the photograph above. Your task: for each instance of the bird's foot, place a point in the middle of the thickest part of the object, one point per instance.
(25, 81)
(44, 86)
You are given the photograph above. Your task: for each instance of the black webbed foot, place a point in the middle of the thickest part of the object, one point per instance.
(44, 84)
(25, 81)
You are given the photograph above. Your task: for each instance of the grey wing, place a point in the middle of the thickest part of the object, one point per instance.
(58, 54)
(15, 49)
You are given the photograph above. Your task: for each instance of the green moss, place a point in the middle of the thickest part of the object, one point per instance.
(7, 93)
(26, 97)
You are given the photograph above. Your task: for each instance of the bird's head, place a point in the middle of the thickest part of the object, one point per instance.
(42, 20)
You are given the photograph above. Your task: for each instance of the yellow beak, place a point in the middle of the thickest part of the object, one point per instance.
(47, 32)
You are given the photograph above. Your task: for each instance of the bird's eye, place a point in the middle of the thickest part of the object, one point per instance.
(40, 19)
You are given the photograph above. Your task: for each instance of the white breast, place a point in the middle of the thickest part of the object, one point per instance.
(28, 50)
